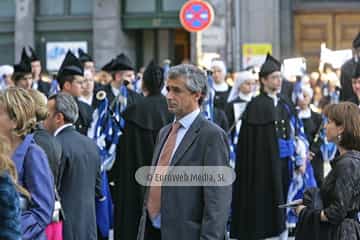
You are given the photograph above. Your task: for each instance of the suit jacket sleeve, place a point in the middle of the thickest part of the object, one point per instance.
(38, 180)
(98, 186)
(217, 199)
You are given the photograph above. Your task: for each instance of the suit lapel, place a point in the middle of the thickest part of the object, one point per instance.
(188, 139)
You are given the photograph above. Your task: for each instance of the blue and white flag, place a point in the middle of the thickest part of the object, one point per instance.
(54, 87)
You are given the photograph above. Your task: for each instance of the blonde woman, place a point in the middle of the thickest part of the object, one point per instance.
(17, 118)
(9, 198)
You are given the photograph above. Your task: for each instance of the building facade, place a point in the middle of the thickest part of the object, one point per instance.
(150, 29)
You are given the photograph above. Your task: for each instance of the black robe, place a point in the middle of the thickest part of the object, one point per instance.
(142, 124)
(287, 89)
(83, 122)
(133, 98)
(354, 99)
(262, 178)
(44, 87)
(341, 203)
(220, 119)
(311, 127)
(347, 70)
(220, 99)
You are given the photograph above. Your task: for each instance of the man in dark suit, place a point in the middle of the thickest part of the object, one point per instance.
(80, 173)
(71, 80)
(187, 212)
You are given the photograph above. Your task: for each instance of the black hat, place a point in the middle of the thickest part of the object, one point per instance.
(108, 66)
(153, 77)
(24, 66)
(34, 57)
(269, 66)
(70, 66)
(122, 63)
(84, 57)
(356, 41)
(356, 73)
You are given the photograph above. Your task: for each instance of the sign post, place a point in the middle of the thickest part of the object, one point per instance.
(196, 16)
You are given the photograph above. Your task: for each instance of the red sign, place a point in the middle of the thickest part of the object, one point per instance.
(196, 15)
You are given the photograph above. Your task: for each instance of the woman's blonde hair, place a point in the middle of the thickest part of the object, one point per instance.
(20, 107)
(40, 100)
(7, 165)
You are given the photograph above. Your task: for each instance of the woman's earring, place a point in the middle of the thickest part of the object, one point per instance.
(339, 137)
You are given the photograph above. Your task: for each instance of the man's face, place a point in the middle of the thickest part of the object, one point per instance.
(36, 68)
(90, 66)
(356, 86)
(53, 121)
(25, 82)
(75, 87)
(122, 76)
(180, 100)
(272, 83)
(88, 86)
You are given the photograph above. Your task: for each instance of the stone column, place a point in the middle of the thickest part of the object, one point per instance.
(260, 23)
(24, 26)
(108, 37)
(214, 39)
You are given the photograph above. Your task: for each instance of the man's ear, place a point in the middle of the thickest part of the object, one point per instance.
(59, 118)
(67, 86)
(198, 95)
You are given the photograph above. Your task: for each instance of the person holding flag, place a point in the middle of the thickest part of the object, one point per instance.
(143, 121)
(265, 150)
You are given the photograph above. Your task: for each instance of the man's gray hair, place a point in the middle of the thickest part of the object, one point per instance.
(195, 78)
(66, 104)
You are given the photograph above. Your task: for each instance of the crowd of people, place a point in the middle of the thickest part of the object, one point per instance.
(71, 146)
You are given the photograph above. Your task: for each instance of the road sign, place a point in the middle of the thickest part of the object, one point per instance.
(196, 15)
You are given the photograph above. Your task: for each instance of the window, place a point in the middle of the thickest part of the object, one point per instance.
(135, 6)
(7, 8)
(64, 7)
(81, 7)
(51, 7)
(172, 5)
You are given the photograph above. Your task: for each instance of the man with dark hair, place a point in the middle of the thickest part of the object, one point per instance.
(22, 76)
(187, 212)
(80, 173)
(347, 70)
(71, 80)
(264, 153)
(38, 83)
(122, 71)
(87, 61)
